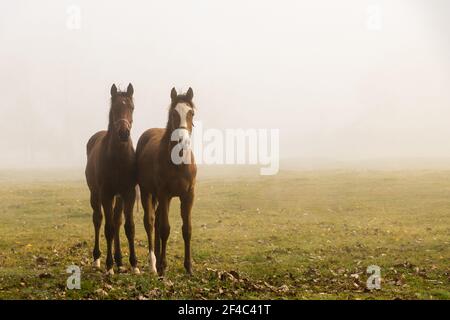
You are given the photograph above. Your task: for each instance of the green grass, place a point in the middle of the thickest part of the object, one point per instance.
(297, 235)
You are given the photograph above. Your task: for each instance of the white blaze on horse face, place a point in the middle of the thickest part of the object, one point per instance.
(180, 152)
(183, 109)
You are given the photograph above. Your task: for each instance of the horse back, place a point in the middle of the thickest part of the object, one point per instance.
(149, 140)
(93, 155)
(93, 141)
(147, 156)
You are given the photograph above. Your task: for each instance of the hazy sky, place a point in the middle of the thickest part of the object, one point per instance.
(340, 79)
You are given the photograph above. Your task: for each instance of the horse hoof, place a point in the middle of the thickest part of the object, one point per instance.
(110, 272)
(122, 269)
(96, 263)
(135, 270)
(152, 262)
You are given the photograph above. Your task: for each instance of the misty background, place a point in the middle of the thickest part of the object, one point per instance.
(345, 81)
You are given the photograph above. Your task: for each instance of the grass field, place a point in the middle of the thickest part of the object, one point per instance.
(297, 235)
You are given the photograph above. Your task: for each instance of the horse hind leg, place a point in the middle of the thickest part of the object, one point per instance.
(118, 209)
(97, 221)
(107, 204)
(157, 240)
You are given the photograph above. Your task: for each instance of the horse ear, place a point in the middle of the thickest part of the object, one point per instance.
(113, 90)
(190, 94)
(130, 90)
(173, 94)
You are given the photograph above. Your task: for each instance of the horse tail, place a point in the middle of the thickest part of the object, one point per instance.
(154, 201)
(138, 198)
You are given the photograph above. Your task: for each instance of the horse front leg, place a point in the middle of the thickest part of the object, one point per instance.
(162, 216)
(107, 203)
(118, 209)
(186, 208)
(129, 200)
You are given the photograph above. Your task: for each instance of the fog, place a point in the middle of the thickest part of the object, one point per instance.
(345, 80)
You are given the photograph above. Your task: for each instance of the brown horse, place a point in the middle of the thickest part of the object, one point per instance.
(166, 169)
(111, 177)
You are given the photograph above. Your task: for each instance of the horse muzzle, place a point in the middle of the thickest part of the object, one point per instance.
(124, 135)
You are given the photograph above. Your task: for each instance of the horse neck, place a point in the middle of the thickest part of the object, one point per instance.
(116, 148)
(167, 145)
